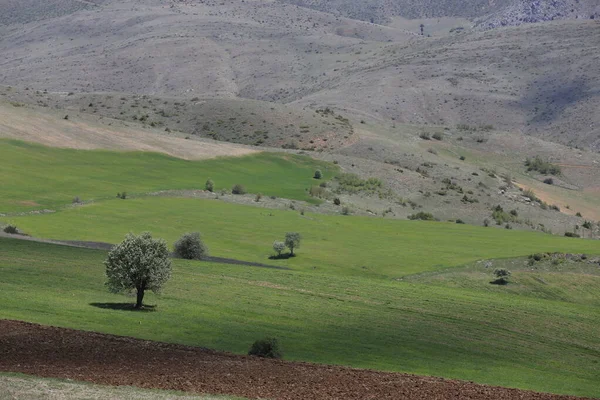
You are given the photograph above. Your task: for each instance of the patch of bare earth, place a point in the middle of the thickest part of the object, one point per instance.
(112, 360)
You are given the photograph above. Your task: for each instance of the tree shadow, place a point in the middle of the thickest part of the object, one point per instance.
(282, 256)
(499, 281)
(123, 307)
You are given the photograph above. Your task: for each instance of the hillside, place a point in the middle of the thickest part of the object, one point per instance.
(486, 14)
(275, 52)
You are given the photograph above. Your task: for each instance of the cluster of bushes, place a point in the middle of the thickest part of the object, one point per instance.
(541, 166)
(501, 216)
(423, 216)
(11, 229)
(352, 183)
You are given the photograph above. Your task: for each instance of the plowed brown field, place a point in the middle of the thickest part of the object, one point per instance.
(113, 360)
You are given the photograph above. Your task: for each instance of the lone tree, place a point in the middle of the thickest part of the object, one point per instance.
(292, 241)
(422, 29)
(138, 263)
(209, 185)
(190, 247)
(318, 174)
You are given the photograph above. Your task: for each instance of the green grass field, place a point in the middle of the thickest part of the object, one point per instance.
(36, 177)
(337, 244)
(488, 336)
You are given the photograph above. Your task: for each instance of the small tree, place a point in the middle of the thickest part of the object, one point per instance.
(137, 264)
(292, 241)
(279, 247)
(267, 348)
(209, 185)
(190, 246)
(318, 174)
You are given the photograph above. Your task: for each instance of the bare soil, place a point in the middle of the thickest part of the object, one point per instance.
(113, 360)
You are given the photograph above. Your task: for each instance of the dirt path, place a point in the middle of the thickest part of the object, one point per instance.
(105, 359)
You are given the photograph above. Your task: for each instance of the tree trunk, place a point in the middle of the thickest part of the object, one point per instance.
(140, 298)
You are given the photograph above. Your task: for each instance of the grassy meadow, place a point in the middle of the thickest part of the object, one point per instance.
(367, 292)
(35, 177)
(349, 245)
(472, 333)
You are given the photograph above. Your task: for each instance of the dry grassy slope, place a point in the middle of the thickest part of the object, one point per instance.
(244, 121)
(82, 131)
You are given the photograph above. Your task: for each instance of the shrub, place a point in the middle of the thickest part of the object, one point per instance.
(279, 247)
(209, 185)
(318, 174)
(11, 229)
(579, 215)
(425, 136)
(514, 213)
(267, 348)
(77, 200)
(587, 225)
(346, 210)
(337, 201)
(122, 195)
(541, 166)
(317, 191)
(423, 216)
(190, 247)
(572, 234)
(238, 189)
(502, 276)
(460, 221)
(486, 222)
(258, 197)
(437, 136)
(462, 158)
(352, 183)
(549, 181)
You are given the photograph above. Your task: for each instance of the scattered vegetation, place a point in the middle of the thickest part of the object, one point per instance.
(352, 183)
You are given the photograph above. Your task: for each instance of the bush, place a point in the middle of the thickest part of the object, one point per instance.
(502, 276)
(279, 247)
(209, 185)
(258, 197)
(318, 174)
(549, 181)
(267, 348)
(238, 189)
(437, 136)
(572, 234)
(462, 158)
(486, 222)
(423, 216)
(425, 136)
(460, 221)
(77, 200)
(122, 195)
(337, 201)
(11, 229)
(346, 210)
(190, 247)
